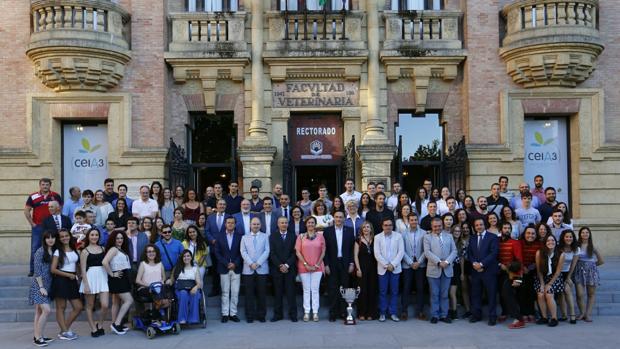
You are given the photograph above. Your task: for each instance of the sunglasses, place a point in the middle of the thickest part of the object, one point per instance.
(166, 232)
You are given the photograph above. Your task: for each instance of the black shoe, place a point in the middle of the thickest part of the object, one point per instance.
(452, 314)
(213, 293)
(466, 315)
(261, 319)
(563, 319)
(48, 340)
(118, 329)
(474, 319)
(542, 321)
(553, 322)
(446, 320)
(249, 321)
(224, 319)
(234, 318)
(492, 322)
(100, 330)
(95, 334)
(434, 320)
(31, 274)
(40, 342)
(276, 319)
(294, 319)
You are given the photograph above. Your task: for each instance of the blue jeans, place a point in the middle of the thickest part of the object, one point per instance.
(188, 306)
(439, 295)
(35, 243)
(389, 281)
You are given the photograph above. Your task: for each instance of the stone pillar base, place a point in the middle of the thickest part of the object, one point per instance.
(376, 162)
(256, 162)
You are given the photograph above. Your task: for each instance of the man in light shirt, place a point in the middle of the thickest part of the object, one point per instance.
(392, 201)
(255, 254)
(243, 218)
(389, 251)
(414, 268)
(350, 192)
(145, 206)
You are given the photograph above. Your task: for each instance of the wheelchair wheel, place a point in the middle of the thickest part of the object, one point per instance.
(176, 329)
(150, 332)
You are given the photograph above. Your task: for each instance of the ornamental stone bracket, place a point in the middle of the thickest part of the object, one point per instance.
(347, 68)
(421, 70)
(208, 72)
(551, 42)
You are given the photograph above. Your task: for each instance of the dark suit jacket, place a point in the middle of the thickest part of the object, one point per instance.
(291, 227)
(143, 240)
(282, 251)
(486, 254)
(331, 246)
(274, 221)
(280, 211)
(240, 226)
(49, 224)
(211, 229)
(227, 255)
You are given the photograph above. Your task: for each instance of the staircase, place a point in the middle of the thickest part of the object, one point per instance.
(14, 287)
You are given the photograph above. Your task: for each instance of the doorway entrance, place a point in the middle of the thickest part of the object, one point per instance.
(311, 177)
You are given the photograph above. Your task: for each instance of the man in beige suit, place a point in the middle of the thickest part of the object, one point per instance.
(389, 250)
(440, 252)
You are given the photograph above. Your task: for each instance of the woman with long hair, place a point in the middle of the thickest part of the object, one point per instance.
(187, 283)
(455, 281)
(202, 223)
(460, 196)
(469, 205)
(403, 199)
(192, 208)
(156, 230)
(420, 203)
(365, 205)
(65, 280)
(337, 205)
(321, 216)
(94, 280)
(366, 272)
(492, 223)
(178, 225)
(542, 231)
(586, 274)
(508, 215)
(402, 223)
(460, 216)
(179, 196)
(530, 244)
(146, 226)
(310, 250)
(120, 214)
(104, 208)
(435, 195)
(117, 265)
(156, 193)
(570, 247)
(41, 287)
(548, 283)
(194, 242)
(167, 208)
(465, 265)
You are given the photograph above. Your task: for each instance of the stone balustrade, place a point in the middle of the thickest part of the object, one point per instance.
(551, 42)
(79, 44)
(422, 32)
(212, 33)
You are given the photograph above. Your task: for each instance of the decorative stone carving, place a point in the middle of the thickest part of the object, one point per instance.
(549, 43)
(78, 44)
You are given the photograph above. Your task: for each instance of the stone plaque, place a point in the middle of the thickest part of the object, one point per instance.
(315, 94)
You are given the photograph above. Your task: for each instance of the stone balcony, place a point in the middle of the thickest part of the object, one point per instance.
(79, 44)
(422, 33)
(551, 42)
(314, 34)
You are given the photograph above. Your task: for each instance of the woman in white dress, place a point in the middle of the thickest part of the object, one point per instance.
(94, 280)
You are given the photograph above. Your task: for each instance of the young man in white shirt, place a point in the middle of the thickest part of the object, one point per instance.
(392, 201)
(527, 214)
(350, 192)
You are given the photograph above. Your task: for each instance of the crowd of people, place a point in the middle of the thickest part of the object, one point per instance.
(516, 247)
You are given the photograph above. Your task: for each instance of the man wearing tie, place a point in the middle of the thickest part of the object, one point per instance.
(414, 267)
(285, 208)
(243, 218)
(229, 264)
(283, 260)
(482, 253)
(389, 250)
(255, 252)
(55, 221)
(215, 224)
(268, 218)
(339, 264)
(440, 252)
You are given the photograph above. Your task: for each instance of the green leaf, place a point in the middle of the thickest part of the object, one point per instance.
(95, 148)
(85, 143)
(549, 140)
(538, 137)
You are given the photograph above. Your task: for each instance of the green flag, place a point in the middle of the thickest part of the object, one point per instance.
(322, 3)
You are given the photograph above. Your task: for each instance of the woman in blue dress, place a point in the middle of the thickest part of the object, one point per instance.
(41, 286)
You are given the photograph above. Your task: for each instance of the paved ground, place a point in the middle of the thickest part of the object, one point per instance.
(600, 334)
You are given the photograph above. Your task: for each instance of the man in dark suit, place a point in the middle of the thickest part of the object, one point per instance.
(338, 261)
(282, 260)
(56, 220)
(285, 208)
(215, 225)
(268, 218)
(229, 265)
(482, 253)
(244, 218)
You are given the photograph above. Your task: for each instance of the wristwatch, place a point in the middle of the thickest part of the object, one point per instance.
(305, 264)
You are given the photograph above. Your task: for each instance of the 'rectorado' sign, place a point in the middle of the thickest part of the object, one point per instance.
(315, 94)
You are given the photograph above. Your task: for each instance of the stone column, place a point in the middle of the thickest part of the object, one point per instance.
(257, 154)
(374, 132)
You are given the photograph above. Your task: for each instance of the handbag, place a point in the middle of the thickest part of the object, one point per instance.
(186, 285)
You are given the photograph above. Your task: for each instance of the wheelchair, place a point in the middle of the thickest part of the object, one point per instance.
(161, 318)
(202, 312)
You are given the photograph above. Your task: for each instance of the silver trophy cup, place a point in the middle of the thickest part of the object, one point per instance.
(349, 295)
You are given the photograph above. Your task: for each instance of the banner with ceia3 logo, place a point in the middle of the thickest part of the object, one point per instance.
(85, 156)
(546, 154)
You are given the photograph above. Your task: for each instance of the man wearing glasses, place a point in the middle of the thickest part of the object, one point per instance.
(169, 248)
